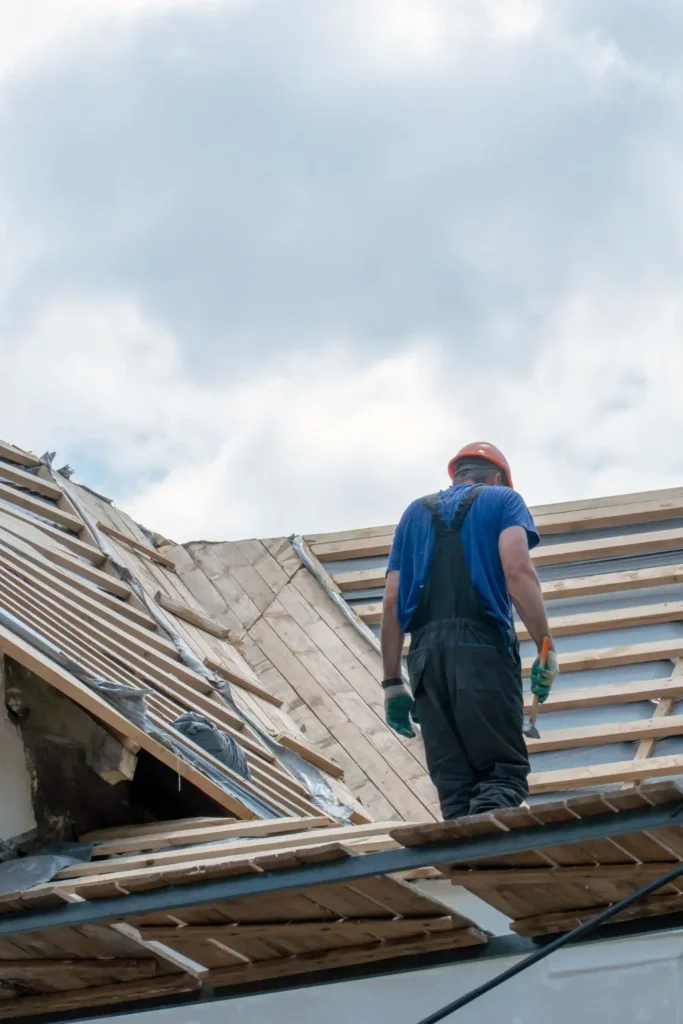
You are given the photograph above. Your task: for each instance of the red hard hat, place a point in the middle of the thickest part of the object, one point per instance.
(482, 450)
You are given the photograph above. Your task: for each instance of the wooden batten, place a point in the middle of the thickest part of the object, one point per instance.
(311, 754)
(241, 680)
(30, 481)
(195, 618)
(144, 549)
(41, 508)
(16, 455)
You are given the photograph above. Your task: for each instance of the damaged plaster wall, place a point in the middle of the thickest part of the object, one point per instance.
(62, 793)
(16, 807)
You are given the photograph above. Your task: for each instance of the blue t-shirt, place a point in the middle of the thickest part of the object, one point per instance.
(495, 510)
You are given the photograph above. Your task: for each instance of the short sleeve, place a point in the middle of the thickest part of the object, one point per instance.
(396, 553)
(515, 513)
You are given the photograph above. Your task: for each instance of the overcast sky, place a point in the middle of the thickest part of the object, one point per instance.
(266, 264)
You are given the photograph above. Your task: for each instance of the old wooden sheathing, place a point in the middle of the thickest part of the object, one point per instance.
(547, 888)
(224, 943)
(56, 580)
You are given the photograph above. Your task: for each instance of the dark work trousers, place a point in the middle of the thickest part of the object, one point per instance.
(466, 679)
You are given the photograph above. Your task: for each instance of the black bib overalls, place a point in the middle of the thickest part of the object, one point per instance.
(466, 679)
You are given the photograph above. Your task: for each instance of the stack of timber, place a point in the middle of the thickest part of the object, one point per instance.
(69, 614)
(221, 943)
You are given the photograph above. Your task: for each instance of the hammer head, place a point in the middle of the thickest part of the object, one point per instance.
(531, 731)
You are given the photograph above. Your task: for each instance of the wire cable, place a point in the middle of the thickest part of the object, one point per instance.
(563, 940)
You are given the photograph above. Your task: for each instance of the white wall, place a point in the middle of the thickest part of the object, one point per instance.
(16, 807)
(625, 981)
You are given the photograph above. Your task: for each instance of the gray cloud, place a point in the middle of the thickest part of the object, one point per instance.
(203, 163)
(265, 180)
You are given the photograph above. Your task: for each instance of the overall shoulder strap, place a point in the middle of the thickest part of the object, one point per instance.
(432, 503)
(465, 505)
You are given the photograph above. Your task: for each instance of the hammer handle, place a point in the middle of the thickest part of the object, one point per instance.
(543, 657)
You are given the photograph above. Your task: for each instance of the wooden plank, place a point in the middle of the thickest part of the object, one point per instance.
(41, 508)
(151, 828)
(603, 774)
(136, 545)
(90, 602)
(671, 495)
(591, 622)
(665, 494)
(312, 539)
(91, 609)
(30, 481)
(226, 933)
(595, 735)
(97, 971)
(612, 547)
(648, 744)
(578, 586)
(361, 547)
(207, 834)
(611, 693)
(32, 535)
(377, 540)
(485, 878)
(170, 678)
(99, 995)
(14, 647)
(565, 920)
(551, 554)
(328, 959)
(249, 847)
(17, 455)
(16, 521)
(239, 680)
(663, 710)
(112, 761)
(606, 516)
(613, 582)
(619, 618)
(189, 615)
(607, 657)
(311, 754)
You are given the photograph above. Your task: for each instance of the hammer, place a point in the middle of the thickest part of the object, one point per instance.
(531, 731)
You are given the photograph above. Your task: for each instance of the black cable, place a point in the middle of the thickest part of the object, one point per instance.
(541, 954)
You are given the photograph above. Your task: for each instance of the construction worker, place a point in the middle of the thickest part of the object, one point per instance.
(459, 561)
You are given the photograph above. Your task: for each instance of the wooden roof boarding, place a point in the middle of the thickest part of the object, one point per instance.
(91, 608)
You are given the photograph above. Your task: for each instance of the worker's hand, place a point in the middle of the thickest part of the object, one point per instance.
(398, 705)
(542, 678)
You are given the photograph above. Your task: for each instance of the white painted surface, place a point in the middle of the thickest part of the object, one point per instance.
(454, 897)
(625, 981)
(16, 806)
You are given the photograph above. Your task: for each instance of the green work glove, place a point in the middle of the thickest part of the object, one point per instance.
(543, 678)
(398, 704)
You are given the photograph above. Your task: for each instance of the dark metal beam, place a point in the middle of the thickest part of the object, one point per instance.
(344, 870)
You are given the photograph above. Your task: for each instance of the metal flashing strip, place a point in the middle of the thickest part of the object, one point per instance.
(344, 870)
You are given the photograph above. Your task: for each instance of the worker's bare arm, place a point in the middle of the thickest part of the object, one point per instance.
(523, 583)
(391, 635)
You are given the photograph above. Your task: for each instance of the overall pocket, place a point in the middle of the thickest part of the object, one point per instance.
(416, 662)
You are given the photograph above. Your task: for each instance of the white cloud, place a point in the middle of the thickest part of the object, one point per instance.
(476, 237)
(339, 441)
(31, 30)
